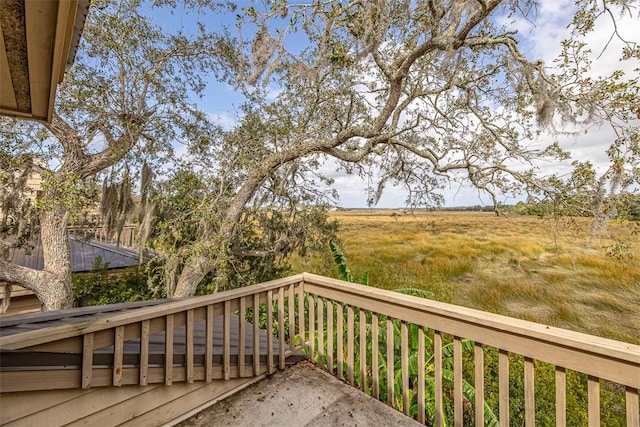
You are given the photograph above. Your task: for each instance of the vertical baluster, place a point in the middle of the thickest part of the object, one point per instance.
(437, 361)
(375, 362)
(421, 379)
(189, 344)
(292, 319)
(594, 401)
(390, 362)
(312, 326)
(242, 336)
(363, 350)
(330, 336)
(144, 351)
(340, 340)
(301, 328)
(168, 350)
(321, 331)
(256, 334)
(633, 407)
(226, 341)
(350, 344)
(404, 354)
(208, 351)
(270, 367)
(529, 393)
(87, 360)
(503, 387)
(561, 397)
(281, 327)
(457, 381)
(118, 350)
(478, 360)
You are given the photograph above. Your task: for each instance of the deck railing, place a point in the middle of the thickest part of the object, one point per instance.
(435, 362)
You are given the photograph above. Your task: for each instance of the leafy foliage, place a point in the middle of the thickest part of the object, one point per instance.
(101, 286)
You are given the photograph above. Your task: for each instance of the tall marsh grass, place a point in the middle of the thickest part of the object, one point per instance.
(519, 266)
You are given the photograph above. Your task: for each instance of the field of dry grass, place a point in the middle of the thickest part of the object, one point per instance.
(519, 266)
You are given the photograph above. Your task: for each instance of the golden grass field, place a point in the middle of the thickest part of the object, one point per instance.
(511, 265)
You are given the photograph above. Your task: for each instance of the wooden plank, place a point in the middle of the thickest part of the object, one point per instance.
(87, 360)
(593, 397)
(144, 351)
(390, 362)
(404, 366)
(270, 367)
(330, 336)
(312, 325)
(503, 387)
(529, 393)
(165, 406)
(189, 346)
(281, 327)
(242, 334)
(457, 382)
(208, 355)
(350, 344)
(421, 377)
(375, 363)
(15, 406)
(321, 331)
(300, 299)
(633, 407)
(561, 397)
(478, 361)
(83, 405)
(363, 351)
(117, 355)
(226, 345)
(340, 341)
(43, 379)
(168, 350)
(292, 318)
(256, 335)
(437, 366)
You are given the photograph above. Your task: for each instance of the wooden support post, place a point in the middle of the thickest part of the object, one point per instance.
(87, 360)
(457, 382)
(144, 351)
(208, 355)
(478, 359)
(350, 344)
(404, 356)
(256, 335)
(168, 350)
(437, 360)
(242, 335)
(390, 362)
(363, 350)
(375, 363)
(118, 354)
(189, 344)
(270, 363)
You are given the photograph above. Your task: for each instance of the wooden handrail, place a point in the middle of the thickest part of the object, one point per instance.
(41, 336)
(573, 350)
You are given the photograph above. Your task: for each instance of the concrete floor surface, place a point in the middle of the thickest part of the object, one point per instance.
(302, 395)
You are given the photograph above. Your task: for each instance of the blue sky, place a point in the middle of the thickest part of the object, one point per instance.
(541, 40)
